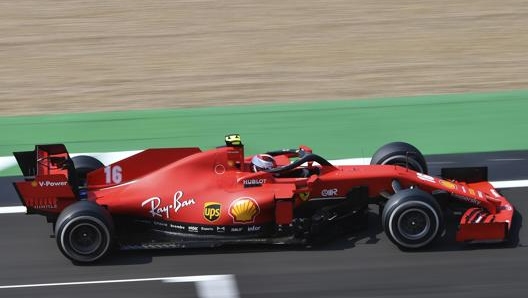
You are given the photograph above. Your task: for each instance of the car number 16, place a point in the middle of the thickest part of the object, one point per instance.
(113, 174)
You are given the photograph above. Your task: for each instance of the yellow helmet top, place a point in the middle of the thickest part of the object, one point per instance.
(233, 140)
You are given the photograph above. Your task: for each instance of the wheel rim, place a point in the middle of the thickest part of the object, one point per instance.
(414, 224)
(85, 238)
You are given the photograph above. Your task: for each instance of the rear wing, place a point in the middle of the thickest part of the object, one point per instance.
(50, 180)
(44, 160)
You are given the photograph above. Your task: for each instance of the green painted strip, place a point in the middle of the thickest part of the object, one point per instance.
(335, 129)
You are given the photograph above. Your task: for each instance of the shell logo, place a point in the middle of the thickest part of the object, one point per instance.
(34, 183)
(244, 210)
(448, 184)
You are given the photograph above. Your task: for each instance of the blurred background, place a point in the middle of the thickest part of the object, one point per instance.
(70, 56)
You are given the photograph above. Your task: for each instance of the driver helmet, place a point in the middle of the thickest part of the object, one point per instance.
(261, 162)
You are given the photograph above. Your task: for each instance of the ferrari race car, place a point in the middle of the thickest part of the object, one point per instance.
(186, 197)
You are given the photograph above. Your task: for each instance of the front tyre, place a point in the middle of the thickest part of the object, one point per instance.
(84, 232)
(400, 154)
(412, 218)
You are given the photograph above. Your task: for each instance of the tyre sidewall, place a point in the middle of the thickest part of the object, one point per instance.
(412, 200)
(87, 214)
(85, 164)
(399, 151)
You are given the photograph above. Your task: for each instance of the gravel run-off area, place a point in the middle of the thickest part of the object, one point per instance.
(76, 56)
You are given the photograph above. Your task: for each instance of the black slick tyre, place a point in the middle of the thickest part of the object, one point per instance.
(412, 218)
(84, 232)
(401, 154)
(83, 165)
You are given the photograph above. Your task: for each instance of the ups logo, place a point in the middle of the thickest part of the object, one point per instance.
(212, 211)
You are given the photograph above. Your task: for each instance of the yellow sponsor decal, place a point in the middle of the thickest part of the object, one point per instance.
(244, 210)
(212, 211)
(448, 184)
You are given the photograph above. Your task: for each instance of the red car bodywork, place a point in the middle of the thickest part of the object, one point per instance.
(215, 193)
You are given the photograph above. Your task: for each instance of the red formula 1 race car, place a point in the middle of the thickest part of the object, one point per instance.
(185, 197)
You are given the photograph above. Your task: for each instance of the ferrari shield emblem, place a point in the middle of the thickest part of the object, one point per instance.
(304, 195)
(212, 211)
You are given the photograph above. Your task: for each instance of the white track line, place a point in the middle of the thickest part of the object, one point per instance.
(111, 157)
(80, 283)
(7, 162)
(13, 209)
(106, 158)
(207, 286)
(510, 184)
(496, 184)
(211, 286)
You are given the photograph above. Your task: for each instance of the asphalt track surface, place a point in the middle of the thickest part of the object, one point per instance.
(360, 265)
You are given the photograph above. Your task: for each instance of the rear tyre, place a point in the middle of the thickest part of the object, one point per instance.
(412, 218)
(84, 232)
(401, 154)
(83, 165)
